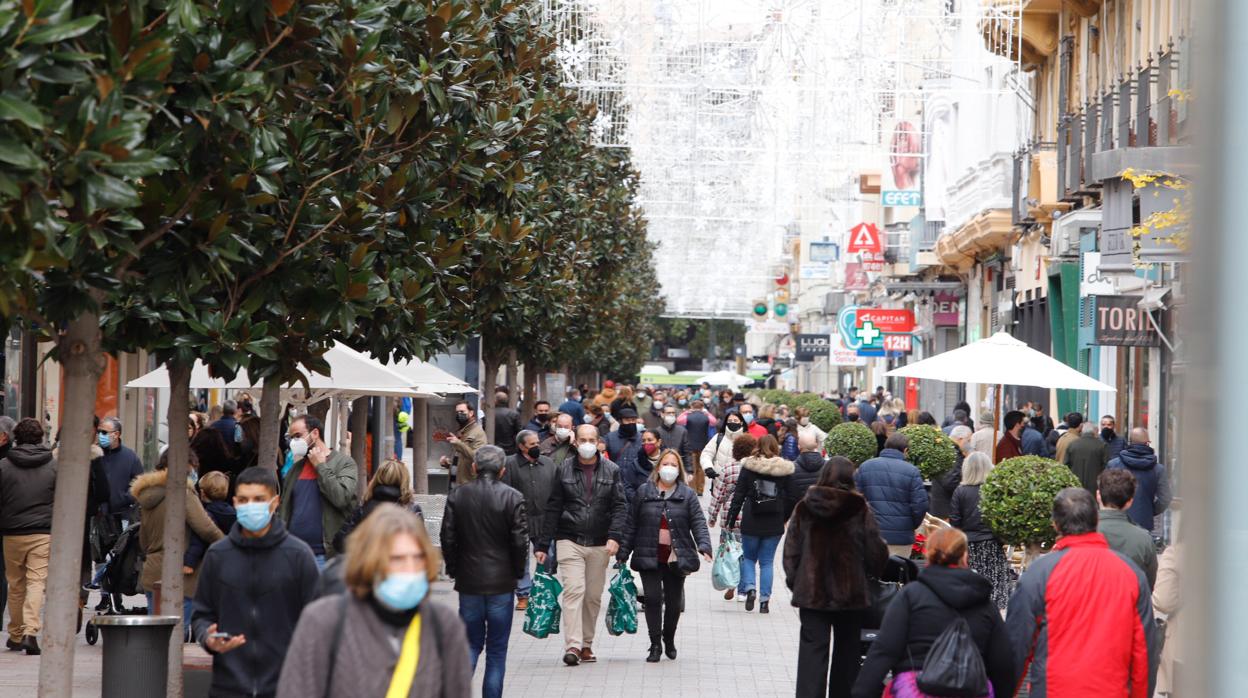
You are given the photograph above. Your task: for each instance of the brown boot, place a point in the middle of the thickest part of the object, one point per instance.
(522, 603)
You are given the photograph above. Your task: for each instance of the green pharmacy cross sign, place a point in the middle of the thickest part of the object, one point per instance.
(868, 333)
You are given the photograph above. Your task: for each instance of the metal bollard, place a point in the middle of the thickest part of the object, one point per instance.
(136, 655)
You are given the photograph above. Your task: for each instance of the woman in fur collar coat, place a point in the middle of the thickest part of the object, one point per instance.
(832, 548)
(759, 502)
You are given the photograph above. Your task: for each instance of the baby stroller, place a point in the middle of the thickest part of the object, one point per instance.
(898, 572)
(119, 575)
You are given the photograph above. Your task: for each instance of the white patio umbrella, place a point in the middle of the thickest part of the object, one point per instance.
(726, 378)
(427, 378)
(1000, 360)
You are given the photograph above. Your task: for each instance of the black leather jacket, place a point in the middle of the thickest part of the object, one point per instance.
(535, 480)
(485, 537)
(591, 521)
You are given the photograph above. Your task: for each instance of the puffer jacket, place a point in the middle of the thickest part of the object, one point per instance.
(1152, 484)
(585, 518)
(965, 514)
(894, 489)
(718, 452)
(534, 479)
(685, 522)
(922, 612)
(382, 494)
(637, 473)
(832, 546)
(754, 521)
(805, 473)
(149, 491)
(485, 536)
(27, 488)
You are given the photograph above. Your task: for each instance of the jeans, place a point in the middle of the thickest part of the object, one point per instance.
(186, 608)
(663, 588)
(487, 620)
(814, 679)
(320, 561)
(526, 582)
(761, 551)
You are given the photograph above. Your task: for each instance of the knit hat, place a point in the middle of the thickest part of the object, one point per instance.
(627, 413)
(985, 419)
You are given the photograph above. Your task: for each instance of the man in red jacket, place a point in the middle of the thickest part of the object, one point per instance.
(1081, 620)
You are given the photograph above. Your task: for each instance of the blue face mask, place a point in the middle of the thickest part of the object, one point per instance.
(749, 418)
(253, 516)
(402, 591)
(105, 442)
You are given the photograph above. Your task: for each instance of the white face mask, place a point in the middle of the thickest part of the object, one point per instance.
(562, 433)
(667, 474)
(587, 450)
(804, 421)
(658, 404)
(669, 419)
(298, 449)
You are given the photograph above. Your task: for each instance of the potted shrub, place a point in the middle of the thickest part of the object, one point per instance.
(1017, 501)
(930, 450)
(825, 415)
(853, 440)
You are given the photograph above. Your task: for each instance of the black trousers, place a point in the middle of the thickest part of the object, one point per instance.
(663, 589)
(814, 679)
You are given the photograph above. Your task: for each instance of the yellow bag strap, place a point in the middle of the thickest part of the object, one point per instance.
(409, 657)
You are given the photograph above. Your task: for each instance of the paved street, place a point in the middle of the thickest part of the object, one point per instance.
(724, 651)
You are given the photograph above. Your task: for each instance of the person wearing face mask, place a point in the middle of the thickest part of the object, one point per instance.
(465, 442)
(676, 437)
(653, 417)
(640, 470)
(807, 427)
(533, 474)
(319, 492)
(149, 490)
(584, 519)
(541, 420)
(641, 400)
(666, 531)
(700, 426)
(485, 543)
(559, 445)
(1113, 442)
(758, 431)
(253, 584)
(385, 636)
(572, 406)
(717, 455)
(624, 448)
(120, 466)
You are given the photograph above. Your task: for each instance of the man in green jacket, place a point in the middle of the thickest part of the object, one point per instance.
(1085, 456)
(319, 491)
(1115, 490)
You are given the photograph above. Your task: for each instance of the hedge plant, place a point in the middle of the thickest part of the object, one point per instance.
(1017, 499)
(930, 450)
(825, 416)
(853, 440)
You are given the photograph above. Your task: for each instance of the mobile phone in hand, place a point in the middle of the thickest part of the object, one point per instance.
(224, 637)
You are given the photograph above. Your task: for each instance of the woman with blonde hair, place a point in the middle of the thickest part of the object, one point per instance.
(987, 557)
(759, 502)
(666, 531)
(384, 636)
(390, 484)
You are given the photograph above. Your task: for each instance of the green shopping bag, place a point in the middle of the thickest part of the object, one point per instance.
(622, 608)
(542, 617)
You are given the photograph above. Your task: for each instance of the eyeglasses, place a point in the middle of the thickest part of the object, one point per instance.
(103, 432)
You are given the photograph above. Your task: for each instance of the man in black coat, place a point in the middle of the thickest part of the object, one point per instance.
(805, 471)
(253, 584)
(675, 437)
(485, 542)
(506, 423)
(534, 475)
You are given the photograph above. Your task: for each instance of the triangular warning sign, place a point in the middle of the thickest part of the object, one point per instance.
(864, 237)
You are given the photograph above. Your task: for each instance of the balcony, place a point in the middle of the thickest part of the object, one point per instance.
(1024, 30)
(1035, 197)
(1140, 123)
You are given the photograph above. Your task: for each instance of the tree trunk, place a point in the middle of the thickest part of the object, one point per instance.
(487, 394)
(359, 441)
(175, 518)
(79, 356)
(530, 393)
(513, 379)
(420, 445)
(270, 422)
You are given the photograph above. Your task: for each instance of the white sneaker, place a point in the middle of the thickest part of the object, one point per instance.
(740, 597)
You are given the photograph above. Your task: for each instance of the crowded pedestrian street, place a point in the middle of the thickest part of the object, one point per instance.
(458, 348)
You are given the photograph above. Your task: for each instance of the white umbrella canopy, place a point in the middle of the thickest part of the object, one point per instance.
(1000, 360)
(351, 373)
(427, 378)
(726, 378)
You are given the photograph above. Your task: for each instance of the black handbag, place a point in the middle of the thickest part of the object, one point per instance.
(883, 594)
(953, 666)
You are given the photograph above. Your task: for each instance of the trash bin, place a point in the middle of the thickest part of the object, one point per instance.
(136, 655)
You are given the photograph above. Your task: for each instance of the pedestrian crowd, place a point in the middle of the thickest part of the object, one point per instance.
(297, 586)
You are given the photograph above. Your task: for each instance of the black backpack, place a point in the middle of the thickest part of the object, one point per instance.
(953, 666)
(765, 496)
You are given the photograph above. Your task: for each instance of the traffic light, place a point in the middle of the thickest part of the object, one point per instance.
(760, 310)
(780, 295)
(781, 309)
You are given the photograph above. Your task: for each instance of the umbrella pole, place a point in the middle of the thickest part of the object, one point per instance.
(996, 420)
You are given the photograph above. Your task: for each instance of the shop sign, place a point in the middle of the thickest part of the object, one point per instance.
(770, 327)
(901, 198)
(873, 331)
(1118, 322)
(856, 277)
(872, 261)
(945, 309)
(841, 355)
(824, 252)
(1093, 281)
(865, 237)
(809, 347)
(887, 320)
(897, 343)
(815, 271)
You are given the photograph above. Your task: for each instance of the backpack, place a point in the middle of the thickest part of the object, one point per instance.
(765, 497)
(953, 666)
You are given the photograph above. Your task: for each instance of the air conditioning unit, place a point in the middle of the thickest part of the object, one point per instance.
(1068, 228)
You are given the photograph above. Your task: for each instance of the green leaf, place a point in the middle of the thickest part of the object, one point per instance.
(60, 31)
(140, 166)
(105, 192)
(18, 155)
(14, 109)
